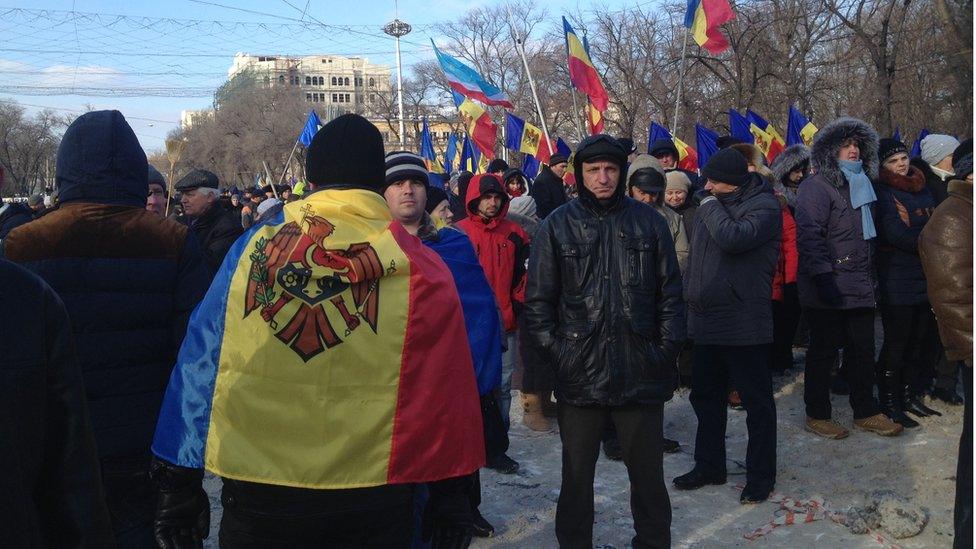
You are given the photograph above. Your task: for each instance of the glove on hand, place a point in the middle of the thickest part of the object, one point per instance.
(182, 507)
(699, 196)
(448, 520)
(827, 289)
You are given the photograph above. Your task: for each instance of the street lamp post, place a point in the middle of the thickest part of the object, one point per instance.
(397, 28)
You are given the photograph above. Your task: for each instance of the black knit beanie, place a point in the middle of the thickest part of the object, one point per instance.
(435, 195)
(727, 166)
(347, 153)
(888, 147)
(497, 165)
(401, 165)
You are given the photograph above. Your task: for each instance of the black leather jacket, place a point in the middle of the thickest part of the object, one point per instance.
(603, 302)
(216, 230)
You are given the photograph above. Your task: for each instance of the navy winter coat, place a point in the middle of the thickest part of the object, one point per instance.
(128, 278)
(904, 207)
(729, 277)
(829, 236)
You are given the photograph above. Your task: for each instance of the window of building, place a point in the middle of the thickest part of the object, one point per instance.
(308, 97)
(333, 80)
(347, 82)
(281, 79)
(315, 97)
(372, 82)
(347, 95)
(372, 98)
(308, 80)
(335, 98)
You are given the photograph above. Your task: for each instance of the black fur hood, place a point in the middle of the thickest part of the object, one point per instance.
(791, 158)
(827, 142)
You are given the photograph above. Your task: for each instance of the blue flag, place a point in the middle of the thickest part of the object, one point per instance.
(738, 128)
(707, 142)
(427, 150)
(563, 148)
(656, 132)
(917, 145)
(514, 127)
(450, 154)
(530, 166)
(897, 136)
(311, 126)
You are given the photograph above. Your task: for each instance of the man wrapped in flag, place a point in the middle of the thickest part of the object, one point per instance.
(326, 370)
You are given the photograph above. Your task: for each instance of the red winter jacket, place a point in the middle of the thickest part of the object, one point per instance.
(502, 247)
(788, 256)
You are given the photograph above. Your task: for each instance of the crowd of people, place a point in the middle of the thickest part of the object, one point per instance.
(373, 380)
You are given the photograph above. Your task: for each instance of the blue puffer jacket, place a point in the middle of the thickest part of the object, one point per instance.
(128, 278)
(904, 207)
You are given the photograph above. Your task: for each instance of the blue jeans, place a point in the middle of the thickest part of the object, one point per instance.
(508, 368)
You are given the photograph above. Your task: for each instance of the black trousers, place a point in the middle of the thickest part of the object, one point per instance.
(831, 330)
(963, 515)
(639, 428)
(264, 516)
(496, 434)
(911, 342)
(946, 373)
(786, 319)
(131, 500)
(749, 371)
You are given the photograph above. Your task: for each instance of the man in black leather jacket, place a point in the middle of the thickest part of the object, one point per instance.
(604, 306)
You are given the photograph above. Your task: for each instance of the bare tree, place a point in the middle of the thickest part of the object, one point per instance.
(28, 147)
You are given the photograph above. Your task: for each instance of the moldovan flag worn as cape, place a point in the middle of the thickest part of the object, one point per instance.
(703, 17)
(330, 352)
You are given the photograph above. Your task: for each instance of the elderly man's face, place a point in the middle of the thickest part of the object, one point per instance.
(156, 202)
(197, 201)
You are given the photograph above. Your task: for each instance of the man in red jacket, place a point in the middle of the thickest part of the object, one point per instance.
(503, 250)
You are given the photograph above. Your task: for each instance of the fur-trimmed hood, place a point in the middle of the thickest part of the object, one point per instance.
(827, 142)
(791, 158)
(912, 182)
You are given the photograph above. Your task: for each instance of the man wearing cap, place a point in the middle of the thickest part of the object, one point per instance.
(407, 191)
(935, 161)
(216, 228)
(667, 154)
(548, 189)
(645, 183)
(728, 289)
(129, 280)
(603, 307)
(497, 167)
(158, 195)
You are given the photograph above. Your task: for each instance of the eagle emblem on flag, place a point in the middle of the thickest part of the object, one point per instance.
(296, 265)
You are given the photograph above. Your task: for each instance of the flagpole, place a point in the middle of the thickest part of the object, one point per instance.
(520, 46)
(681, 80)
(267, 171)
(579, 129)
(288, 163)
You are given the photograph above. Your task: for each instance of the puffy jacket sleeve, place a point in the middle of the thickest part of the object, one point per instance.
(894, 224)
(788, 247)
(735, 236)
(71, 500)
(221, 239)
(948, 266)
(812, 216)
(681, 245)
(192, 280)
(542, 288)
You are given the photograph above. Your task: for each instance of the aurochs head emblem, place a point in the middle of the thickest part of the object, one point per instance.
(294, 264)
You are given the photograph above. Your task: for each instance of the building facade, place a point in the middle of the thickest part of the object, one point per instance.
(350, 83)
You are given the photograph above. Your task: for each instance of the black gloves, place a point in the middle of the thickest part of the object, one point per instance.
(827, 289)
(699, 196)
(448, 519)
(182, 508)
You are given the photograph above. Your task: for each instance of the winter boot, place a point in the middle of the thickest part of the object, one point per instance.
(879, 424)
(912, 404)
(889, 393)
(532, 416)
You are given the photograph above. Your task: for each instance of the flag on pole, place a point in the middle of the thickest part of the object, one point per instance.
(687, 156)
(523, 137)
(312, 125)
(594, 119)
(703, 17)
(707, 141)
(562, 148)
(466, 81)
(530, 166)
(582, 72)
(897, 136)
(769, 141)
(450, 155)
(481, 129)
(427, 150)
(917, 145)
(799, 130)
(470, 157)
(739, 127)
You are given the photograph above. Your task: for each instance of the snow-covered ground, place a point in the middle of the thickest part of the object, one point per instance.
(919, 465)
